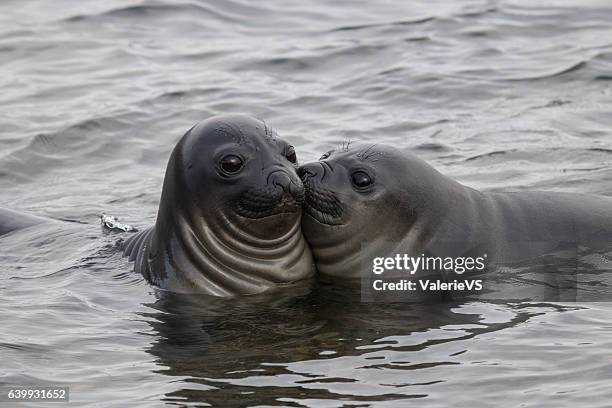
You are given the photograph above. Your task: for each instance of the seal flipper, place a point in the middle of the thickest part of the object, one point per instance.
(136, 248)
(134, 244)
(13, 220)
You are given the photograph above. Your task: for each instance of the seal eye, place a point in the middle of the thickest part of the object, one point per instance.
(290, 155)
(325, 156)
(231, 164)
(361, 179)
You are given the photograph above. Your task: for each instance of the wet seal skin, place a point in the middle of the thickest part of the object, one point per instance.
(397, 204)
(11, 220)
(229, 218)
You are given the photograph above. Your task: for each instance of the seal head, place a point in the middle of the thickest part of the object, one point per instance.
(229, 217)
(363, 199)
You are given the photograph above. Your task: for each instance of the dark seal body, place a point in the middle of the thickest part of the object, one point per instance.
(11, 220)
(377, 201)
(229, 217)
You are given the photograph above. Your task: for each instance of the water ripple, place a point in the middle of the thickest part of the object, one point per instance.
(503, 95)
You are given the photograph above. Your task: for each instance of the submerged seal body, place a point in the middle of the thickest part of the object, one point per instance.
(377, 201)
(11, 220)
(229, 217)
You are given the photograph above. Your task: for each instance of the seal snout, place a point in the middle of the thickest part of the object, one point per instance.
(289, 187)
(320, 203)
(283, 193)
(308, 170)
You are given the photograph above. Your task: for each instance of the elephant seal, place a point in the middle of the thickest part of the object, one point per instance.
(11, 220)
(377, 201)
(228, 221)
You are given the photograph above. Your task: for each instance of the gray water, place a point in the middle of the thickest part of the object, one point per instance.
(501, 95)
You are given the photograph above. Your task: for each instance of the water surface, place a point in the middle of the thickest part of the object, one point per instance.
(501, 95)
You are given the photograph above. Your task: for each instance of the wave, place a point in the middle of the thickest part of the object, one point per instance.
(388, 24)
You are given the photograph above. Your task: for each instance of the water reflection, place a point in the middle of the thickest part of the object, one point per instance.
(320, 341)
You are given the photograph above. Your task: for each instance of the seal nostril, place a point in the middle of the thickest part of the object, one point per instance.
(279, 179)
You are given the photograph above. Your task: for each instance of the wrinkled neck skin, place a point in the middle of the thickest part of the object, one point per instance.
(190, 254)
(344, 253)
(409, 221)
